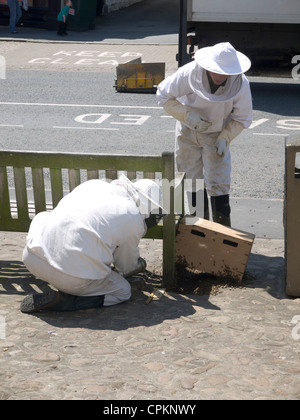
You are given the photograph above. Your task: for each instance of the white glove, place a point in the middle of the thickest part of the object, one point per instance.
(140, 268)
(231, 131)
(221, 146)
(195, 122)
(181, 113)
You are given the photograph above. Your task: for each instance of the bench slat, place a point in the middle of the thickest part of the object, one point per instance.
(21, 193)
(38, 189)
(80, 161)
(92, 174)
(111, 174)
(74, 178)
(131, 175)
(149, 175)
(56, 186)
(4, 195)
(169, 224)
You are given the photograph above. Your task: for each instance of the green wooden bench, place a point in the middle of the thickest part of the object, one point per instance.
(31, 182)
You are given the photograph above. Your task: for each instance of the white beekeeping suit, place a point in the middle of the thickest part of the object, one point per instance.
(209, 117)
(95, 228)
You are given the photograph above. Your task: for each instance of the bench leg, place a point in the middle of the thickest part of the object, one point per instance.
(169, 279)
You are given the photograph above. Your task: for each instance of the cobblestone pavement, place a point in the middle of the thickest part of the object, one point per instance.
(242, 343)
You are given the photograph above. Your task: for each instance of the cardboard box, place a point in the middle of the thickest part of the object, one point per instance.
(209, 247)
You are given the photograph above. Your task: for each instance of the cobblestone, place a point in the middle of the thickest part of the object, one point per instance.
(237, 344)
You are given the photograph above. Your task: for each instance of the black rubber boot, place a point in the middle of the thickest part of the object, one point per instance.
(206, 207)
(59, 301)
(221, 210)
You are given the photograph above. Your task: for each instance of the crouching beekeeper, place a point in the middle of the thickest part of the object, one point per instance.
(211, 100)
(88, 245)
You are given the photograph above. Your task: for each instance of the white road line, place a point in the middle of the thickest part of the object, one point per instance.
(81, 105)
(86, 128)
(270, 134)
(11, 125)
(281, 200)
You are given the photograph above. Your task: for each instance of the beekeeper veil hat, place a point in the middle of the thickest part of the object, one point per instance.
(150, 203)
(222, 59)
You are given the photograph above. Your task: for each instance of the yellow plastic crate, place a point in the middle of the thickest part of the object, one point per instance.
(139, 77)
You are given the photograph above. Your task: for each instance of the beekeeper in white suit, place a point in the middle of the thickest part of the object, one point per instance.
(211, 101)
(89, 243)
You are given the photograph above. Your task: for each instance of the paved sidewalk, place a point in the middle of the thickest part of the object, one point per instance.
(242, 343)
(155, 22)
(71, 57)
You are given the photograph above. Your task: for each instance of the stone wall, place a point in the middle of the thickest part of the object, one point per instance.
(113, 5)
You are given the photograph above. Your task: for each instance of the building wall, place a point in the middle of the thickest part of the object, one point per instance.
(113, 5)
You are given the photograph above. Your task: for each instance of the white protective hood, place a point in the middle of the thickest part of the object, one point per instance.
(221, 59)
(198, 81)
(146, 193)
(150, 197)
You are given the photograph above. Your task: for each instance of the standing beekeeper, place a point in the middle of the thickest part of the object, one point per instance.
(211, 100)
(88, 244)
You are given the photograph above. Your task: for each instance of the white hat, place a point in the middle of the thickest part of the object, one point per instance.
(150, 197)
(222, 59)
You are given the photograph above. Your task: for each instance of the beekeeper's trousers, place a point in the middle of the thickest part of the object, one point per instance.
(196, 155)
(120, 289)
